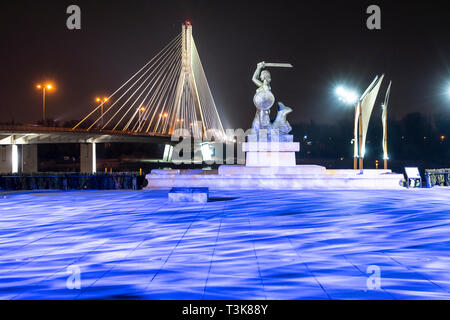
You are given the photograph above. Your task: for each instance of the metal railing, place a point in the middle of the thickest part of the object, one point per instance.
(434, 178)
(43, 129)
(72, 181)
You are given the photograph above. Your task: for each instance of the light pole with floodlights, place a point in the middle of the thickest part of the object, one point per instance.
(44, 88)
(105, 100)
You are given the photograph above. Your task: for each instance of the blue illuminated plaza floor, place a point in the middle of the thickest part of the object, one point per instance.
(241, 245)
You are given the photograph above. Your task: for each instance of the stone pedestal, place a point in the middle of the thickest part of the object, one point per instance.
(239, 171)
(271, 178)
(270, 154)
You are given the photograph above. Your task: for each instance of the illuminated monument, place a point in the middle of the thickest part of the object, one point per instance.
(264, 100)
(363, 112)
(270, 156)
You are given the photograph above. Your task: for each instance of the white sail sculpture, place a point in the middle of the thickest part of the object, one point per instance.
(366, 110)
(358, 128)
(384, 121)
(362, 117)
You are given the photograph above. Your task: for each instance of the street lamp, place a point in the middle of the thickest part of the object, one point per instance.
(351, 97)
(102, 101)
(44, 88)
(346, 96)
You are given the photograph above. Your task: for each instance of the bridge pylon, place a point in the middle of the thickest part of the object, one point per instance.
(186, 82)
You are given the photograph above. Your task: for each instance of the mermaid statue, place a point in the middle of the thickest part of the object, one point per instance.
(264, 100)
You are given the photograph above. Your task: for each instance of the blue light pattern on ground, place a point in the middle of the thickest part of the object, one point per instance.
(241, 245)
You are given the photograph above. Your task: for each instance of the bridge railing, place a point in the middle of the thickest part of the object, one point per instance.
(42, 129)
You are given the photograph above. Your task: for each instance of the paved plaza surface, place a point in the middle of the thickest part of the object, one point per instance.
(240, 245)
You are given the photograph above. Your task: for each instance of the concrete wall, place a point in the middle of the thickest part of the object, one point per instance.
(6, 159)
(29, 158)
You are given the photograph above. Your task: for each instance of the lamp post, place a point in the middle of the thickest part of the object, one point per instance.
(351, 97)
(105, 100)
(141, 111)
(44, 88)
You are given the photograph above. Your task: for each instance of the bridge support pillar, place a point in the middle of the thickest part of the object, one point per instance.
(6, 159)
(29, 158)
(88, 158)
(9, 158)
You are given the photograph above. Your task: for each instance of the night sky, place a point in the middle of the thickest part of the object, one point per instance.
(326, 41)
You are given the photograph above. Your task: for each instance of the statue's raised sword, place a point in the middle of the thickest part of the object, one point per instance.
(278, 65)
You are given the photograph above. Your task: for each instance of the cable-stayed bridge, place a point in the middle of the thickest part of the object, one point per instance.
(169, 94)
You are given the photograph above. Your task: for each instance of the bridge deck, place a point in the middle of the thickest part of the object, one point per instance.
(33, 134)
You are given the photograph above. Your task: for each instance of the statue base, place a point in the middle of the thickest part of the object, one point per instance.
(270, 154)
(270, 136)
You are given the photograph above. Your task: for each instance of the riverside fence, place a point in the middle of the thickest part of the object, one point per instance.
(72, 181)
